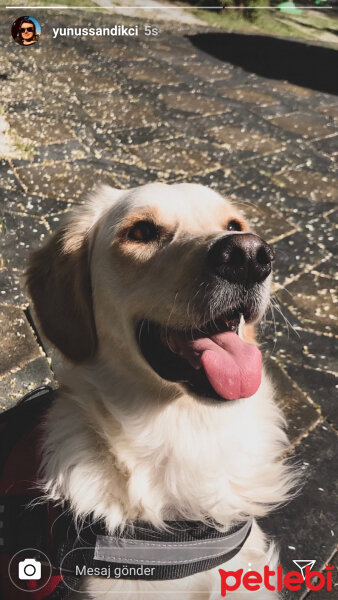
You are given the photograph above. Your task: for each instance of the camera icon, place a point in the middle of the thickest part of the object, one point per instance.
(29, 569)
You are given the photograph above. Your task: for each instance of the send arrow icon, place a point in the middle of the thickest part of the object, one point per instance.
(301, 564)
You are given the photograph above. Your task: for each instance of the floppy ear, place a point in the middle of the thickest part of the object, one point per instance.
(58, 280)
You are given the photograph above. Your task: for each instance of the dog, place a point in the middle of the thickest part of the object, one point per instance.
(164, 411)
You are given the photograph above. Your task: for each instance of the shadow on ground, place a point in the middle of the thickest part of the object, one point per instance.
(303, 64)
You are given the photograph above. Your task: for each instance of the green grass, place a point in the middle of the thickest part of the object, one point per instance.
(274, 22)
(25, 147)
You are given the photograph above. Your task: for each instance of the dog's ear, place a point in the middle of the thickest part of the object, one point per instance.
(58, 280)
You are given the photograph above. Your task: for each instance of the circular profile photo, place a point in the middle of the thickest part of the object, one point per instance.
(26, 31)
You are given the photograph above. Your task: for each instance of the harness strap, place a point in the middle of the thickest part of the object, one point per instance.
(142, 552)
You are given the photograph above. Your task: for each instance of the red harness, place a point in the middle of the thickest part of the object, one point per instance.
(19, 465)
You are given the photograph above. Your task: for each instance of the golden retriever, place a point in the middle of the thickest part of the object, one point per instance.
(164, 411)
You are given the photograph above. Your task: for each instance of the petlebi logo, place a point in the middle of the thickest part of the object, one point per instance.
(278, 579)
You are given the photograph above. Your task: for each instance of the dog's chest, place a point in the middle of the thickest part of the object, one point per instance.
(186, 460)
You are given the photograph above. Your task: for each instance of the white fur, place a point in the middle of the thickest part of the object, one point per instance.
(125, 444)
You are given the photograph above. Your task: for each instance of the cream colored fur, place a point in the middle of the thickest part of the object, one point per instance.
(125, 444)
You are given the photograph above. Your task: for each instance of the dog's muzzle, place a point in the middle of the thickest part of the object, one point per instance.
(242, 258)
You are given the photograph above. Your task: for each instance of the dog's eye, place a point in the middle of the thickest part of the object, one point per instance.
(143, 231)
(234, 226)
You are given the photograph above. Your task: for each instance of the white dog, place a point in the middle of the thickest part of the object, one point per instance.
(165, 412)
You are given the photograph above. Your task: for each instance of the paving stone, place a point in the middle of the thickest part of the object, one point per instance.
(284, 87)
(295, 254)
(7, 177)
(235, 138)
(15, 385)
(12, 92)
(5, 67)
(314, 301)
(170, 156)
(328, 267)
(172, 48)
(272, 110)
(320, 228)
(61, 57)
(220, 180)
(290, 343)
(54, 105)
(119, 111)
(319, 386)
(151, 75)
(309, 184)
(248, 95)
(122, 53)
(332, 216)
(39, 130)
(234, 116)
(85, 80)
(208, 72)
(297, 157)
(68, 181)
(330, 111)
(299, 210)
(328, 145)
(19, 236)
(299, 412)
(193, 103)
(252, 178)
(302, 125)
(65, 150)
(264, 220)
(18, 344)
(124, 176)
(139, 135)
(12, 288)
(305, 528)
(39, 206)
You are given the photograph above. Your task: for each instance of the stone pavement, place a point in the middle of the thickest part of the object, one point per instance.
(133, 110)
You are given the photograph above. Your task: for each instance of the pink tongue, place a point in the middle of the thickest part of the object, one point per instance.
(232, 366)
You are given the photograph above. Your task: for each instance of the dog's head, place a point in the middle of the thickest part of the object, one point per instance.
(158, 276)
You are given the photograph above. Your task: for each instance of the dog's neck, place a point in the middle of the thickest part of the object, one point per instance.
(156, 458)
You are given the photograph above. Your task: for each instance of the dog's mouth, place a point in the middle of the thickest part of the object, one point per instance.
(212, 361)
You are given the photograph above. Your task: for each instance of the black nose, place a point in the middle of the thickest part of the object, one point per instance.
(240, 258)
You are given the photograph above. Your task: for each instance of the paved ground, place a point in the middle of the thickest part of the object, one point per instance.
(136, 110)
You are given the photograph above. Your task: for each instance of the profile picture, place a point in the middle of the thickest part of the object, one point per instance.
(26, 31)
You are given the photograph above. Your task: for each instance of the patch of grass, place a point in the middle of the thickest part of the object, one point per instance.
(25, 147)
(317, 20)
(310, 25)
